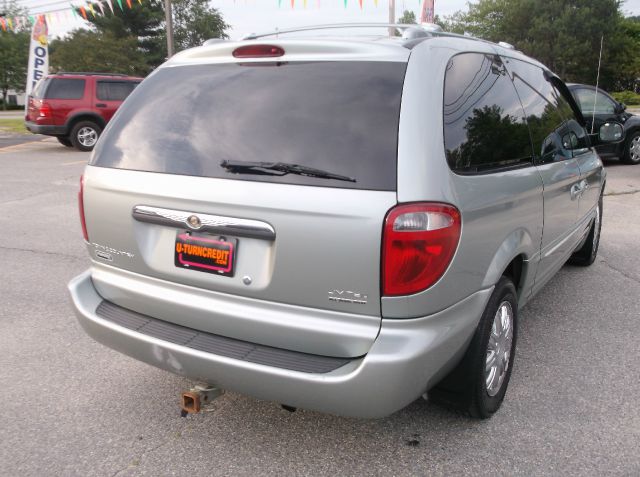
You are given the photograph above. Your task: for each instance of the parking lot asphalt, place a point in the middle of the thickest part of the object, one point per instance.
(12, 139)
(69, 406)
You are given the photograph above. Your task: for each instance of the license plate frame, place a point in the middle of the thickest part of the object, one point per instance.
(215, 254)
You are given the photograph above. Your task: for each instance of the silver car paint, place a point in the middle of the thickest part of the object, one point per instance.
(317, 331)
(488, 242)
(326, 240)
(421, 336)
(407, 357)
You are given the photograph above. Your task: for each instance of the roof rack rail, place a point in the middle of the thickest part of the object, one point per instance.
(412, 33)
(213, 41)
(88, 73)
(428, 27)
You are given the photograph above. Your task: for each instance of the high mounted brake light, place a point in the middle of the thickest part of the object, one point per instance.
(258, 51)
(418, 244)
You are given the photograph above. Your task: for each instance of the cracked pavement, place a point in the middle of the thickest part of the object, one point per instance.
(72, 407)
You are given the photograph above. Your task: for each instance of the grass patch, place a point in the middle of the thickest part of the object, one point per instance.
(15, 126)
(627, 97)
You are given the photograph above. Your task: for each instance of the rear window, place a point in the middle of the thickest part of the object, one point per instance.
(40, 88)
(60, 88)
(114, 90)
(339, 117)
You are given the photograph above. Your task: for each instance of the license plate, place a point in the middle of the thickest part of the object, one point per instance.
(206, 253)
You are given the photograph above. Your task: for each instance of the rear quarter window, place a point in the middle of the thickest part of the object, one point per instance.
(65, 88)
(484, 125)
(114, 90)
(40, 88)
(339, 117)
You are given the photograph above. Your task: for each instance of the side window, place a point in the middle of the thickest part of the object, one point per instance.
(484, 124)
(114, 90)
(589, 100)
(63, 88)
(547, 112)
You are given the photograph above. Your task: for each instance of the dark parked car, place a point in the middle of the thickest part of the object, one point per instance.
(75, 107)
(608, 109)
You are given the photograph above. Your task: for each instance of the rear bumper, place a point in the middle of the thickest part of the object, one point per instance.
(407, 357)
(47, 129)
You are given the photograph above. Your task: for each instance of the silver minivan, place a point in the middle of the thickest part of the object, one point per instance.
(337, 224)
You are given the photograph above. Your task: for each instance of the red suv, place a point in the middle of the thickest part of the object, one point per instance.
(75, 107)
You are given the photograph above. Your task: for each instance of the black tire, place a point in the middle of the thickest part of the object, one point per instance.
(632, 149)
(465, 389)
(84, 135)
(586, 254)
(65, 141)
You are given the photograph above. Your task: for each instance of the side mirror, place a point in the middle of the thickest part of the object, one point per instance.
(610, 132)
(620, 108)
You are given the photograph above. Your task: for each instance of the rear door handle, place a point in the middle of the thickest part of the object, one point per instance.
(101, 105)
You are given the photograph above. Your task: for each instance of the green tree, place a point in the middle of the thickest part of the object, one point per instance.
(408, 17)
(144, 22)
(14, 54)
(562, 34)
(490, 133)
(13, 62)
(194, 22)
(628, 74)
(85, 50)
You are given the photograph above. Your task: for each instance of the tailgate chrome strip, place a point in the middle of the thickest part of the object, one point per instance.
(205, 222)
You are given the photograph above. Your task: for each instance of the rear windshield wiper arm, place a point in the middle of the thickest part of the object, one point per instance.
(280, 169)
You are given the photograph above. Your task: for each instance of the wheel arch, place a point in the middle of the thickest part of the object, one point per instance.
(85, 116)
(512, 260)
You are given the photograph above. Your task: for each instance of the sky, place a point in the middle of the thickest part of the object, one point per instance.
(252, 16)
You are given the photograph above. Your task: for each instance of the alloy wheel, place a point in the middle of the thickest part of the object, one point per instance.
(634, 149)
(499, 348)
(87, 136)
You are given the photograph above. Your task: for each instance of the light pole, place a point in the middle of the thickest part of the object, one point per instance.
(392, 16)
(169, 22)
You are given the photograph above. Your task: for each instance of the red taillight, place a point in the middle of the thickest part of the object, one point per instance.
(418, 245)
(44, 111)
(81, 209)
(258, 51)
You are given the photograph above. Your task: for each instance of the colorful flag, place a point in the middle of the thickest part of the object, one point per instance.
(427, 15)
(38, 66)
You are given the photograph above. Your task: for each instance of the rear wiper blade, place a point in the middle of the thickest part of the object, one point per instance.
(280, 169)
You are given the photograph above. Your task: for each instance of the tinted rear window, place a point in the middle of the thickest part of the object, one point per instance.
(65, 89)
(335, 116)
(114, 90)
(40, 88)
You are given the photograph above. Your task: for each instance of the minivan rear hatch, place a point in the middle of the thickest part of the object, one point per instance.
(198, 152)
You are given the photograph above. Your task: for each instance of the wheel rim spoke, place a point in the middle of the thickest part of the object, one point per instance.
(87, 136)
(499, 348)
(634, 150)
